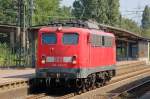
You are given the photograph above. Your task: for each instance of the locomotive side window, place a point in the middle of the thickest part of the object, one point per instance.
(103, 40)
(108, 41)
(70, 38)
(99, 41)
(96, 40)
(49, 38)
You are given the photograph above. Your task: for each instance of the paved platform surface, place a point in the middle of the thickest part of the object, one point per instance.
(11, 80)
(11, 73)
(126, 62)
(15, 75)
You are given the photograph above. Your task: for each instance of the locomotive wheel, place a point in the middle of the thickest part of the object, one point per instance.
(79, 92)
(79, 83)
(104, 78)
(84, 89)
(37, 81)
(85, 86)
(88, 85)
(103, 82)
(35, 84)
(93, 81)
(48, 83)
(98, 84)
(107, 77)
(43, 83)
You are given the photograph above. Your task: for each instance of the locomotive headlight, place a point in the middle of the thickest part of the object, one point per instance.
(43, 60)
(59, 28)
(74, 60)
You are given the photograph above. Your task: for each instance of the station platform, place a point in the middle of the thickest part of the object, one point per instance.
(126, 62)
(24, 74)
(17, 73)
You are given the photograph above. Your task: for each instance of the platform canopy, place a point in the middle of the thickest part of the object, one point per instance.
(121, 34)
(7, 28)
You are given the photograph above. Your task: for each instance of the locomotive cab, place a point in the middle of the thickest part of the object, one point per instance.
(58, 53)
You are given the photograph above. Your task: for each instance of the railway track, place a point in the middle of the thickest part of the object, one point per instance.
(134, 88)
(7, 87)
(102, 92)
(113, 82)
(124, 79)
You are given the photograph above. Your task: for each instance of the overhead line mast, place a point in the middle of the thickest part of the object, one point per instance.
(24, 21)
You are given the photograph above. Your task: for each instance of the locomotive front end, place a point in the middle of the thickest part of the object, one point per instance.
(58, 54)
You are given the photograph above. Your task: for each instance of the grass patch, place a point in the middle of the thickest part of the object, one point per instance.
(7, 58)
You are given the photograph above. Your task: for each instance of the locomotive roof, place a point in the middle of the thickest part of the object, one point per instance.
(88, 25)
(102, 32)
(76, 29)
(75, 23)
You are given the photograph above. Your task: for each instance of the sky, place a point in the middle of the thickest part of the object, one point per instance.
(129, 8)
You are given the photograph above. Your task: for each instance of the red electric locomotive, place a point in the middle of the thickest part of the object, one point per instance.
(75, 54)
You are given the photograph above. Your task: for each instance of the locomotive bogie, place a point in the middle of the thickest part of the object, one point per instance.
(92, 81)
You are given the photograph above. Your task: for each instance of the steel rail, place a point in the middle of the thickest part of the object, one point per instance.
(4, 87)
(104, 90)
(71, 95)
(132, 88)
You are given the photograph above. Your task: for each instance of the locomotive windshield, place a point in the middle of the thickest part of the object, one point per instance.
(70, 38)
(49, 38)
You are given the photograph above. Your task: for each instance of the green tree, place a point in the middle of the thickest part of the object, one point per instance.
(103, 11)
(44, 10)
(113, 12)
(146, 18)
(146, 33)
(65, 12)
(90, 9)
(130, 25)
(8, 11)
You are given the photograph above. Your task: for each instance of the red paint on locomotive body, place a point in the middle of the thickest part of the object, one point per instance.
(77, 52)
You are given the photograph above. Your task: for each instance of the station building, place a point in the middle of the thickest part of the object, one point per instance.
(129, 45)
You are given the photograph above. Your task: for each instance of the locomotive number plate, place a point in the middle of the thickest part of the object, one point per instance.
(54, 59)
(58, 59)
(50, 59)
